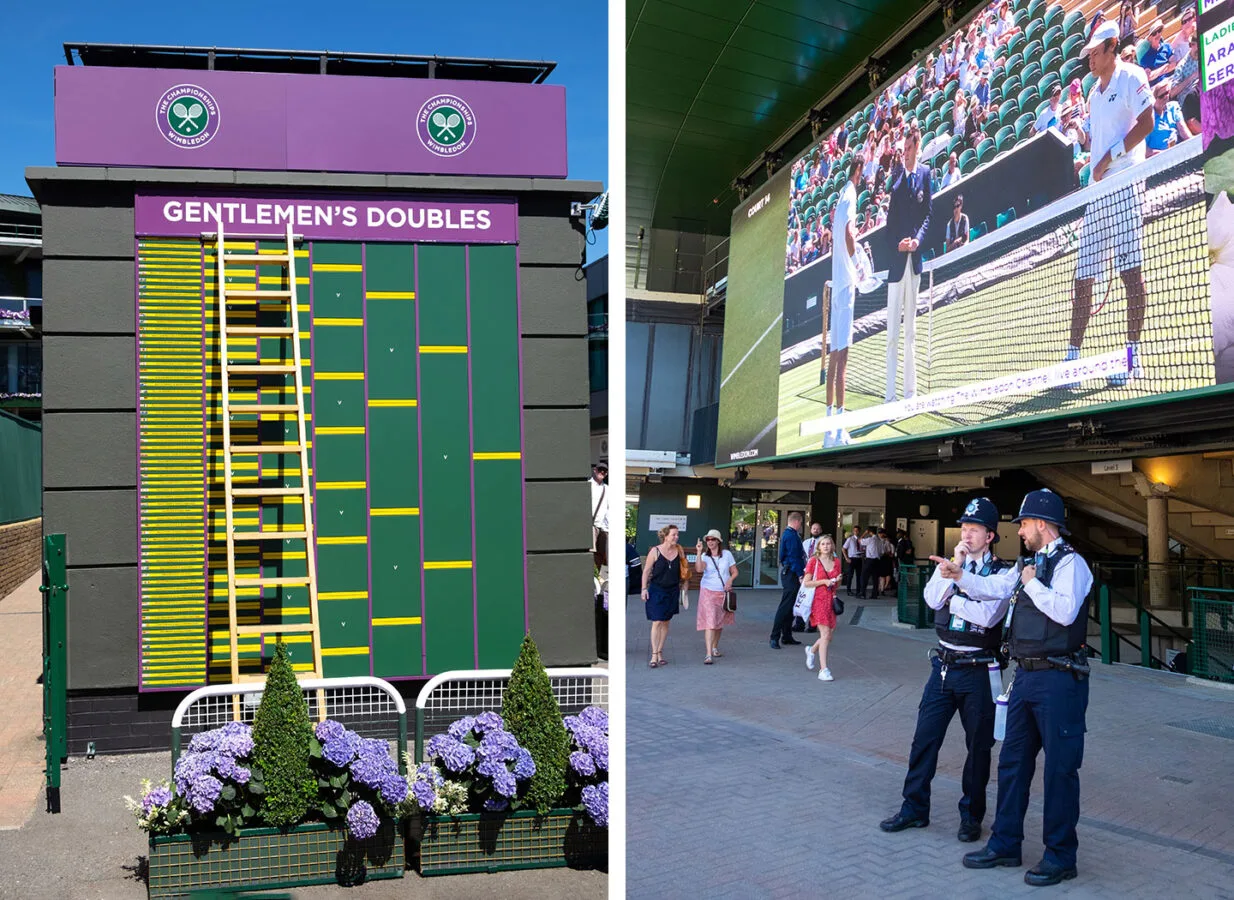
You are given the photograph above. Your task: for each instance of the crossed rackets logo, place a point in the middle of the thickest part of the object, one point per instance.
(446, 125)
(187, 116)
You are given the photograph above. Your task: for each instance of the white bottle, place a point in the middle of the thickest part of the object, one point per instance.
(1000, 701)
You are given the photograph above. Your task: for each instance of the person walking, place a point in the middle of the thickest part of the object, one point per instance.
(968, 622)
(823, 574)
(663, 575)
(599, 514)
(908, 220)
(852, 554)
(718, 568)
(1047, 624)
(792, 567)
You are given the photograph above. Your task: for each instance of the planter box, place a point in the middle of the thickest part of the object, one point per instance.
(271, 858)
(497, 842)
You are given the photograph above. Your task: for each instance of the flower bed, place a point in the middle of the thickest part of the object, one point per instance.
(496, 842)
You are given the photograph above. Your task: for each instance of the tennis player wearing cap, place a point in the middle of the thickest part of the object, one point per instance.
(1120, 108)
(1046, 624)
(969, 608)
(908, 217)
(843, 293)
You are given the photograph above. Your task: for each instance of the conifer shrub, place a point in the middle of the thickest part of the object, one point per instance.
(532, 715)
(281, 735)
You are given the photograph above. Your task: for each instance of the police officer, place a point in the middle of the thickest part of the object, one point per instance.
(968, 619)
(1047, 621)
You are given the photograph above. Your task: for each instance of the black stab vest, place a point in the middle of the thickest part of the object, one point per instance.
(963, 633)
(1035, 635)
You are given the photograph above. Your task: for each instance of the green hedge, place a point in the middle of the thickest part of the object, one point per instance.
(21, 479)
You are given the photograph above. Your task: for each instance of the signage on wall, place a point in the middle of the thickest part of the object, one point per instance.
(656, 522)
(117, 116)
(1112, 467)
(349, 218)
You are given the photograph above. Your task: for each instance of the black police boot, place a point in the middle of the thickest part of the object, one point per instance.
(902, 820)
(1044, 874)
(985, 858)
(969, 831)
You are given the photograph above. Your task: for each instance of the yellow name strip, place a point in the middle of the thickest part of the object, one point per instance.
(343, 595)
(326, 321)
(442, 348)
(338, 376)
(395, 511)
(338, 429)
(403, 620)
(451, 564)
(358, 539)
(390, 295)
(379, 403)
(512, 455)
(341, 485)
(337, 267)
(344, 651)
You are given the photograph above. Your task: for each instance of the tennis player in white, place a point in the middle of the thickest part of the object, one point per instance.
(843, 293)
(1120, 118)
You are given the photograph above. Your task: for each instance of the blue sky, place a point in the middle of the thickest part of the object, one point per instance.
(572, 34)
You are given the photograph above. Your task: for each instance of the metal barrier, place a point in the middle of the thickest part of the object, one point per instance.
(911, 607)
(452, 695)
(55, 667)
(1212, 624)
(362, 703)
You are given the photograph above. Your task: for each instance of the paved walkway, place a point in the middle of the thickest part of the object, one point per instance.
(752, 779)
(21, 704)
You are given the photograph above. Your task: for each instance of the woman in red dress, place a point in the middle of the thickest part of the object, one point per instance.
(822, 574)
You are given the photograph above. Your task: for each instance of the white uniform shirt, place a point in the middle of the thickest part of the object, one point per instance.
(871, 547)
(1112, 113)
(599, 497)
(842, 268)
(712, 579)
(1061, 601)
(985, 605)
(852, 547)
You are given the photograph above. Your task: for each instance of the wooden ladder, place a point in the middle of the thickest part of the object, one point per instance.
(299, 448)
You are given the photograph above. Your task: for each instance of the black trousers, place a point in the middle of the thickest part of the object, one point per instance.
(781, 628)
(869, 573)
(853, 580)
(967, 690)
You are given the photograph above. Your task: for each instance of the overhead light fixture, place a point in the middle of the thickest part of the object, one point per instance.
(694, 501)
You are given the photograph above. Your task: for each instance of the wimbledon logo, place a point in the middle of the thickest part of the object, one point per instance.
(446, 125)
(187, 116)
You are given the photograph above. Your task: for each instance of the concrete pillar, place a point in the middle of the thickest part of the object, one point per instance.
(1158, 551)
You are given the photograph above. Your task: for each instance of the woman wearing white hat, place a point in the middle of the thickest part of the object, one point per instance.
(718, 569)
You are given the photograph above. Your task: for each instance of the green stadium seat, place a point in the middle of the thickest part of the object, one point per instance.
(1034, 31)
(956, 142)
(1072, 46)
(1032, 53)
(913, 96)
(992, 126)
(811, 213)
(1006, 143)
(1052, 61)
(946, 112)
(1048, 83)
(864, 200)
(969, 155)
(1016, 44)
(968, 167)
(997, 75)
(1054, 15)
(1053, 37)
(996, 97)
(936, 100)
(1004, 217)
(1041, 106)
(1085, 174)
(921, 110)
(1024, 125)
(985, 150)
(1003, 133)
(927, 255)
(1031, 74)
(1087, 84)
(1073, 23)
(1029, 97)
(1073, 69)
(1013, 64)
(1008, 111)
(933, 120)
(1036, 8)
(1011, 87)
(978, 231)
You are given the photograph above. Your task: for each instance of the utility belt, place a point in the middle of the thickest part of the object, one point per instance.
(962, 657)
(1075, 663)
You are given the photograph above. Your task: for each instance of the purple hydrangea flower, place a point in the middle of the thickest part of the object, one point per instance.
(498, 745)
(341, 749)
(454, 754)
(158, 796)
(394, 789)
(329, 730)
(524, 765)
(595, 801)
(599, 753)
(491, 768)
(241, 775)
(462, 727)
(203, 793)
(362, 820)
(372, 763)
(582, 763)
(424, 794)
(595, 717)
(492, 805)
(489, 721)
(426, 770)
(572, 723)
(505, 784)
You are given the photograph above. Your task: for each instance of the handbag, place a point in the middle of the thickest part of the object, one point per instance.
(730, 596)
(683, 570)
(804, 603)
(837, 606)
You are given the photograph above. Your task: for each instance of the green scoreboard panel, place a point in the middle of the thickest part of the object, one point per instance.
(412, 380)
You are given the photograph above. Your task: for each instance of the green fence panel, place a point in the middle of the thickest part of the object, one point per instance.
(1212, 623)
(55, 666)
(911, 605)
(21, 484)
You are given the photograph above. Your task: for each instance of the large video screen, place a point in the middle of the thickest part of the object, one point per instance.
(1015, 226)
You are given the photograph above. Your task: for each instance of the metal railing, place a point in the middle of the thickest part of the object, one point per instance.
(1212, 622)
(452, 695)
(370, 706)
(911, 607)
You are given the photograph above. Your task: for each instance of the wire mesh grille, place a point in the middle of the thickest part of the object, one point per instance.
(1213, 624)
(485, 843)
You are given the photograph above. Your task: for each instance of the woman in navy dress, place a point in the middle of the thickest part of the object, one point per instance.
(662, 589)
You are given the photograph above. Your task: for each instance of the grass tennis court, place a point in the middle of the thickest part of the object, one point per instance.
(1022, 323)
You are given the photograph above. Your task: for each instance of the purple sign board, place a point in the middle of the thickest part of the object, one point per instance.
(109, 116)
(412, 219)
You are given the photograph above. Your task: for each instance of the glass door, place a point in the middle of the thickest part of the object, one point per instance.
(773, 519)
(743, 542)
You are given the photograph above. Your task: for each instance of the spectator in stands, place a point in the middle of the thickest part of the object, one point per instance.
(1004, 28)
(1098, 17)
(1075, 133)
(1075, 99)
(1126, 24)
(1158, 58)
(1049, 115)
(825, 239)
(952, 173)
(959, 114)
(1186, 31)
(1186, 76)
(940, 68)
(983, 55)
(1168, 125)
(973, 133)
(982, 91)
(957, 225)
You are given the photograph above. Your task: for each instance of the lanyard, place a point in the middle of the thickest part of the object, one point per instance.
(1038, 560)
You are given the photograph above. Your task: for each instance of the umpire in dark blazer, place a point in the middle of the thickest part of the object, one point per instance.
(908, 218)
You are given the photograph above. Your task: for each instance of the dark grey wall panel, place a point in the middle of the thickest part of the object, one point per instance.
(89, 373)
(552, 300)
(88, 230)
(562, 621)
(546, 233)
(101, 525)
(102, 628)
(89, 450)
(88, 295)
(557, 443)
(558, 515)
(555, 372)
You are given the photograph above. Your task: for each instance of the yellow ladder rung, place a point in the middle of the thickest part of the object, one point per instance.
(261, 369)
(265, 448)
(250, 294)
(276, 629)
(262, 582)
(261, 408)
(260, 330)
(269, 535)
(262, 258)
